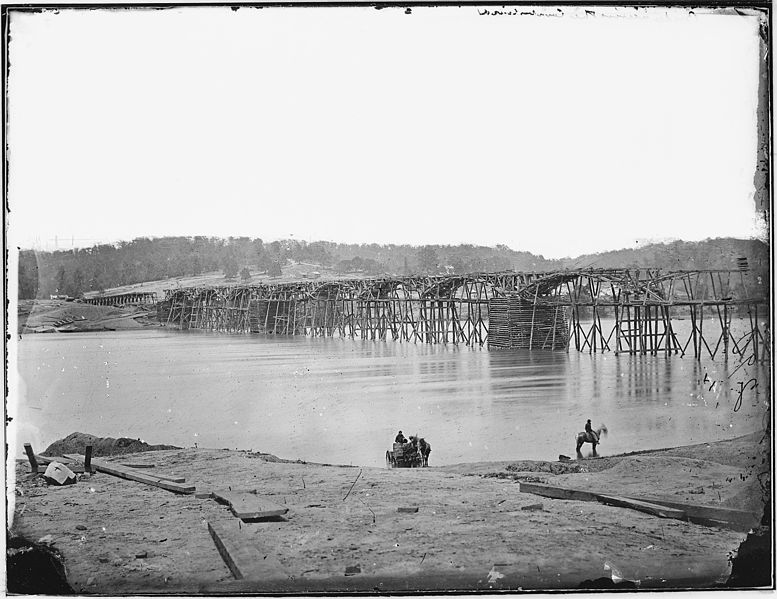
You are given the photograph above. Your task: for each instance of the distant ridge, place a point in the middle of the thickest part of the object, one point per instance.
(710, 254)
(165, 261)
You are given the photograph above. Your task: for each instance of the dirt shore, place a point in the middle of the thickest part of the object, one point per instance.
(59, 316)
(474, 528)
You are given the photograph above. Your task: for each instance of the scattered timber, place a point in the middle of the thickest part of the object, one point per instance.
(742, 520)
(70, 463)
(249, 506)
(556, 492)
(704, 515)
(643, 506)
(134, 475)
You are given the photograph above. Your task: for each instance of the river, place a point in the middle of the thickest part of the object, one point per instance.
(342, 401)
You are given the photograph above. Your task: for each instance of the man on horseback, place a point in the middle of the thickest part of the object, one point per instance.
(589, 435)
(592, 436)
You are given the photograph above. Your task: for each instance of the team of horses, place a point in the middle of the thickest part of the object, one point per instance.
(409, 454)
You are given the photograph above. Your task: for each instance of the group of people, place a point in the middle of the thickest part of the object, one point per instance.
(419, 444)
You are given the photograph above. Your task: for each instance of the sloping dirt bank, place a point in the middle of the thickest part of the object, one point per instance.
(101, 446)
(472, 530)
(57, 316)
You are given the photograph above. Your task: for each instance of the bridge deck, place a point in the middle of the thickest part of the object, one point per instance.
(620, 310)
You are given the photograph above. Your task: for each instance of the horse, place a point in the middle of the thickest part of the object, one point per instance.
(584, 437)
(425, 449)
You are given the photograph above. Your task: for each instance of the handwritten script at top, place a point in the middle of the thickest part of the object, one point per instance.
(513, 12)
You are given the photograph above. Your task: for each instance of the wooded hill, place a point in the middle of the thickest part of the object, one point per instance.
(101, 267)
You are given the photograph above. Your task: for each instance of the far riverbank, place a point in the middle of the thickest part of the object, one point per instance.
(60, 316)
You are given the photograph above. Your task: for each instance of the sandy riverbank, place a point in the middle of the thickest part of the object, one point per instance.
(473, 528)
(59, 316)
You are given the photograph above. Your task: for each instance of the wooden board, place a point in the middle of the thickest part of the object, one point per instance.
(174, 479)
(249, 506)
(707, 514)
(31, 457)
(61, 459)
(70, 463)
(557, 492)
(243, 556)
(141, 477)
(73, 458)
(661, 511)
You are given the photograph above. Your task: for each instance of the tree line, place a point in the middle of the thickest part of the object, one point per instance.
(104, 266)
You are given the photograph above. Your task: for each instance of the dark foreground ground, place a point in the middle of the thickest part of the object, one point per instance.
(473, 528)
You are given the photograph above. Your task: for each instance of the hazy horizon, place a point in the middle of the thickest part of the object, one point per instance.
(562, 136)
(639, 243)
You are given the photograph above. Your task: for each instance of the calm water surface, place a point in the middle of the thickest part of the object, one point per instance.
(342, 401)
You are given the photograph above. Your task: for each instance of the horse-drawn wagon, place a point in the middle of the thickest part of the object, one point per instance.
(414, 454)
(404, 455)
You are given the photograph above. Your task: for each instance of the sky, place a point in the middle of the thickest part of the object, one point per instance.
(559, 135)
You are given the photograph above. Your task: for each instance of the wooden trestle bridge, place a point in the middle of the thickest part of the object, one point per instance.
(120, 299)
(620, 310)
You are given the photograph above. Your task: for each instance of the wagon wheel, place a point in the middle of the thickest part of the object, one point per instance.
(388, 460)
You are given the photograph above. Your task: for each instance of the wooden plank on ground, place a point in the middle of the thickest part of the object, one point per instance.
(174, 479)
(171, 478)
(741, 519)
(243, 556)
(139, 465)
(705, 515)
(61, 459)
(557, 492)
(72, 464)
(250, 506)
(661, 511)
(141, 477)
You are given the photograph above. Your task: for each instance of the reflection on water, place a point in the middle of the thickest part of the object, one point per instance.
(342, 401)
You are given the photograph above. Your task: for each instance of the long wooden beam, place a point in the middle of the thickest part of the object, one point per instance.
(134, 475)
(699, 514)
